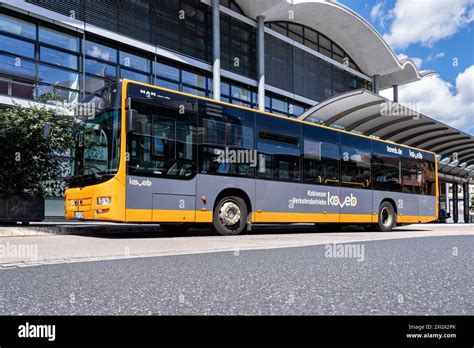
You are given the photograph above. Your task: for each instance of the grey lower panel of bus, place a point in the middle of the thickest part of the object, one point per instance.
(268, 196)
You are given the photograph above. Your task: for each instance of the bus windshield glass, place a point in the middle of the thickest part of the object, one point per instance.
(97, 151)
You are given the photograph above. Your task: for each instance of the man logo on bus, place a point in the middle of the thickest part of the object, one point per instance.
(349, 201)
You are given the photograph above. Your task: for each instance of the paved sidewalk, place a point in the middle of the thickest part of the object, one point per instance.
(128, 244)
(64, 227)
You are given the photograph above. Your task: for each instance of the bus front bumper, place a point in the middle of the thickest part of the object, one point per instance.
(96, 202)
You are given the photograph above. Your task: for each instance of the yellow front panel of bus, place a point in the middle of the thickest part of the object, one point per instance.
(81, 203)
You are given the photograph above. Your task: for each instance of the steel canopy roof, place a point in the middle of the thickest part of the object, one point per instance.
(349, 30)
(363, 112)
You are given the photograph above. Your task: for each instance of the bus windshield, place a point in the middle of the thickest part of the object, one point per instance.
(97, 152)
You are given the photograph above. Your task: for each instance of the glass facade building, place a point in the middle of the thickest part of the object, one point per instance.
(167, 43)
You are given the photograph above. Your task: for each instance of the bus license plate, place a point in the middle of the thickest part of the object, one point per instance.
(78, 215)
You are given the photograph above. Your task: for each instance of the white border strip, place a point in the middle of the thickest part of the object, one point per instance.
(296, 97)
(232, 13)
(238, 16)
(239, 78)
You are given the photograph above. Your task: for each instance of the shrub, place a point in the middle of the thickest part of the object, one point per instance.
(27, 153)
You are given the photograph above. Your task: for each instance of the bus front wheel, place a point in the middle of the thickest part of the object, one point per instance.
(230, 216)
(387, 217)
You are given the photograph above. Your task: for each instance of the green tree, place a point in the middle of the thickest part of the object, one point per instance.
(27, 154)
(472, 202)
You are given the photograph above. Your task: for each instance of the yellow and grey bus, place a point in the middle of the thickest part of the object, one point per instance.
(153, 155)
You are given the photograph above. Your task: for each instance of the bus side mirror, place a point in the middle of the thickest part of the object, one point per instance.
(131, 117)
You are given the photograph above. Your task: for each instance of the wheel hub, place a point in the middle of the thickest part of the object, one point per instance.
(229, 213)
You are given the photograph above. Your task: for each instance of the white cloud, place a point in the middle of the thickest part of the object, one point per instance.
(376, 11)
(417, 61)
(426, 22)
(437, 55)
(436, 98)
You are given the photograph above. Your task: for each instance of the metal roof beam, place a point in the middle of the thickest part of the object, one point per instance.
(434, 137)
(417, 134)
(468, 158)
(360, 122)
(340, 115)
(454, 146)
(387, 124)
(404, 129)
(464, 152)
(444, 141)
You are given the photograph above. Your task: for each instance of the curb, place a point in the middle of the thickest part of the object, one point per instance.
(86, 229)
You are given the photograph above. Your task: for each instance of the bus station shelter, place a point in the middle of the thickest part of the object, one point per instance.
(364, 112)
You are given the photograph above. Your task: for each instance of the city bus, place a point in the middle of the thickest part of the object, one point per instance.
(148, 154)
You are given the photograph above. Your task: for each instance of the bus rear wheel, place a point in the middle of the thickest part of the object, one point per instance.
(387, 217)
(230, 216)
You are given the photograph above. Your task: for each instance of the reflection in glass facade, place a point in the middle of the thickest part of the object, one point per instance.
(58, 39)
(17, 27)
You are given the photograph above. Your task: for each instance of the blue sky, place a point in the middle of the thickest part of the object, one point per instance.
(438, 35)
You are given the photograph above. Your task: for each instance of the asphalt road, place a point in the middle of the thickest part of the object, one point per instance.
(425, 275)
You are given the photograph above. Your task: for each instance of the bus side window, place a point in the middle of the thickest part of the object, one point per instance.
(164, 143)
(278, 145)
(226, 140)
(386, 169)
(412, 176)
(320, 156)
(429, 178)
(356, 161)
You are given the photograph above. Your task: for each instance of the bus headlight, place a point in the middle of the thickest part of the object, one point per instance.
(104, 200)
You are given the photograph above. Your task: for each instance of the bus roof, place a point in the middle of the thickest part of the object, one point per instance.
(126, 81)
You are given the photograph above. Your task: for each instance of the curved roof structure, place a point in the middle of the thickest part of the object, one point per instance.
(345, 27)
(364, 112)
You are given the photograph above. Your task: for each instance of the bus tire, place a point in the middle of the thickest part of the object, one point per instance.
(230, 216)
(175, 228)
(387, 217)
